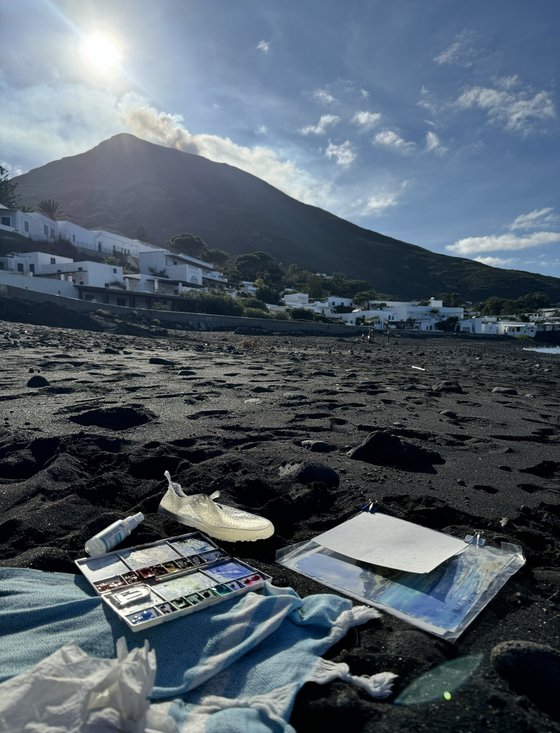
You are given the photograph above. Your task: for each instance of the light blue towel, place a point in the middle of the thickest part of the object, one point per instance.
(236, 666)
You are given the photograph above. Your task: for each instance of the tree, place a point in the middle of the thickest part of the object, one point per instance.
(267, 294)
(363, 297)
(218, 257)
(188, 244)
(8, 195)
(450, 300)
(50, 208)
(448, 325)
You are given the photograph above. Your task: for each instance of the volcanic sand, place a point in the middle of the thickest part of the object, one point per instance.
(270, 422)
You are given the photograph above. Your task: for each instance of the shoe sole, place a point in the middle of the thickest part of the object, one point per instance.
(226, 534)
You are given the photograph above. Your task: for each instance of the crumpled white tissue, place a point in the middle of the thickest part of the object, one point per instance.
(71, 692)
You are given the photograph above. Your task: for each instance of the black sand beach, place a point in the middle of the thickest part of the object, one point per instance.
(91, 420)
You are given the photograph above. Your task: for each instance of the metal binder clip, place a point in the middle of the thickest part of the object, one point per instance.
(475, 539)
(370, 507)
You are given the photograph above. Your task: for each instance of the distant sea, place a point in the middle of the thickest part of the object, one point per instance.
(545, 349)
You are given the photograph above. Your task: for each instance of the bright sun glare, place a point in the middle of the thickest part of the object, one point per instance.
(102, 52)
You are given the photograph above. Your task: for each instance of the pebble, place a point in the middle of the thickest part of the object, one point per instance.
(37, 381)
(532, 670)
(504, 390)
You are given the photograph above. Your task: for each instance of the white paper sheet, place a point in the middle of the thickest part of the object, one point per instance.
(391, 543)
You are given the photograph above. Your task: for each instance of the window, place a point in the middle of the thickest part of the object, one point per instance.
(73, 237)
(32, 268)
(115, 270)
(20, 267)
(121, 301)
(53, 261)
(45, 230)
(26, 226)
(52, 231)
(6, 221)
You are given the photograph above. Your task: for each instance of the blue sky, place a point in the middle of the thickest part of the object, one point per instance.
(435, 122)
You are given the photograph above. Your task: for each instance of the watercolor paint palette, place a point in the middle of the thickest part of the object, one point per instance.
(150, 584)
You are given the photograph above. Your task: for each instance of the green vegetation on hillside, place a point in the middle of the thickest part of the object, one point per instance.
(519, 307)
(8, 190)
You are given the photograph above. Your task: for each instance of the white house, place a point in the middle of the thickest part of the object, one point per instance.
(30, 224)
(32, 263)
(76, 235)
(183, 269)
(93, 274)
(418, 317)
(37, 226)
(494, 326)
(296, 300)
(112, 243)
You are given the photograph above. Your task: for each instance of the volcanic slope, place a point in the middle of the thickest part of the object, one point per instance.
(125, 183)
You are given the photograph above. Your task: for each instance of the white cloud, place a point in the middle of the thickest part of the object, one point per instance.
(263, 46)
(344, 154)
(536, 219)
(164, 128)
(11, 169)
(390, 139)
(378, 203)
(461, 52)
(427, 101)
(321, 127)
(508, 82)
(324, 97)
(517, 111)
(497, 261)
(434, 144)
(366, 120)
(502, 242)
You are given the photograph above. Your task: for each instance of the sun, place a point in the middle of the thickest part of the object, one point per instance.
(102, 52)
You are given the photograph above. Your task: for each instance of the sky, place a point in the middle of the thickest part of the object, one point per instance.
(435, 122)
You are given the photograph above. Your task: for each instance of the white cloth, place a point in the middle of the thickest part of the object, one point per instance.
(71, 692)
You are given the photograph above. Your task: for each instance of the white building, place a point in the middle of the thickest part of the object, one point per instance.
(297, 300)
(403, 313)
(179, 268)
(32, 224)
(494, 326)
(40, 228)
(32, 263)
(93, 274)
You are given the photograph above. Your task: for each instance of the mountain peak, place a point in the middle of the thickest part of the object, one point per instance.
(125, 183)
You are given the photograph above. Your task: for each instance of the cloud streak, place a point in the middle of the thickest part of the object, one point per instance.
(390, 139)
(518, 111)
(434, 144)
(497, 261)
(461, 52)
(324, 97)
(321, 127)
(536, 219)
(343, 154)
(366, 120)
(502, 242)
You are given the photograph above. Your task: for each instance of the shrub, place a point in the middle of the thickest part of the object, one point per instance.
(255, 313)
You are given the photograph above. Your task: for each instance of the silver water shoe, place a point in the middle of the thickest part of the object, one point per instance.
(216, 520)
